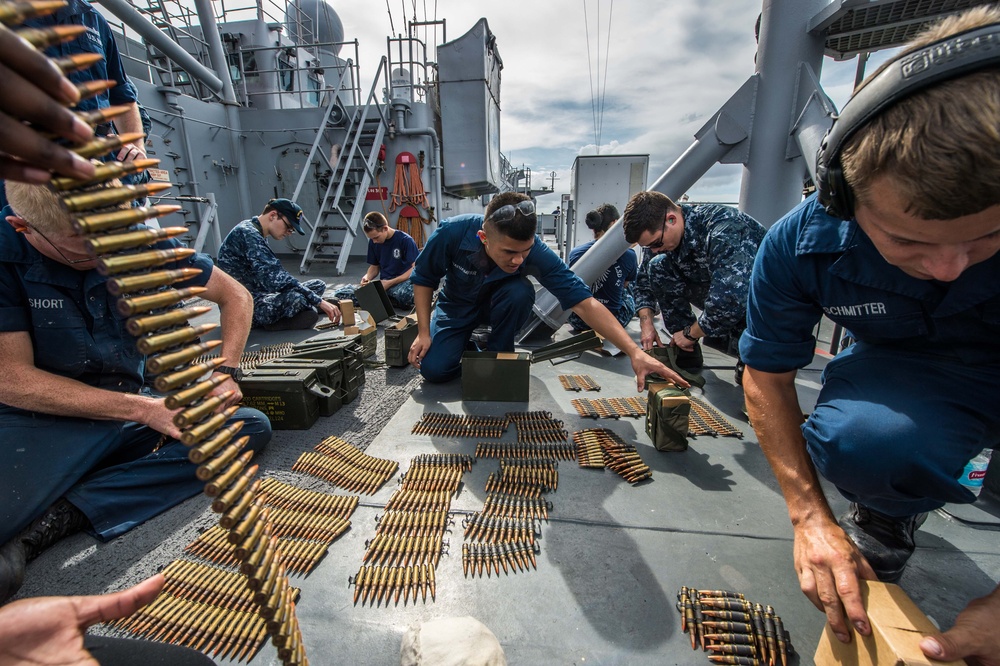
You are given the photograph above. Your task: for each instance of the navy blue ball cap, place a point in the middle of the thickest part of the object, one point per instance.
(290, 210)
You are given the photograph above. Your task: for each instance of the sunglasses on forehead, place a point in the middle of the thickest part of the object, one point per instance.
(508, 212)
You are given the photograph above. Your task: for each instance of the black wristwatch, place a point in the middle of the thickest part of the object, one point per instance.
(687, 333)
(235, 373)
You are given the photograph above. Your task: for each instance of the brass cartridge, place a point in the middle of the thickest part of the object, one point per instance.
(98, 222)
(140, 325)
(206, 450)
(151, 344)
(215, 486)
(76, 62)
(104, 198)
(42, 38)
(174, 380)
(197, 413)
(193, 435)
(111, 265)
(102, 172)
(161, 299)
(209, 469)
(12, 13)
(125, 285)
(103, 144)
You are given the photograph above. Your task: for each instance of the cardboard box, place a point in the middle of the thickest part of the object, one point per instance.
(367, 332)
(898, 626)
(372, 297)
(347, 312)
(496, 376)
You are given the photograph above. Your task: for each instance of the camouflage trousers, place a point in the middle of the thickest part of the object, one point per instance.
(269, 308)
(400, 294)
(623, 315)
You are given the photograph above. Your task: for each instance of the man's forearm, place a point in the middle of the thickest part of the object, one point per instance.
(235, 330)
(28, 387)
(773, 406)
(422, 297)
(601, 320)
(399, 278)
(130, 122)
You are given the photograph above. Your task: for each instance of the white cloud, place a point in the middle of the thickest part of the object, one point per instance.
(669, 66)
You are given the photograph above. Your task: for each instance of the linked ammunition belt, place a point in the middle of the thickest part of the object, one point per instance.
(102, 214)
(437, 424)
(579, 383)
(706, 420)
(733, 629)
(525, 451)
(340, 463)
(610, 408)
(251, 359)
(600, 447)
(409, 536)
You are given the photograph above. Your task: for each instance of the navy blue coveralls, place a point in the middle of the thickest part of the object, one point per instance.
(915, 398)
(477, 291)
(107, 469)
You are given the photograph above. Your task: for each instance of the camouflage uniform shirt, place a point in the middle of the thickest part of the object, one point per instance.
(710, 269)
(247, 257)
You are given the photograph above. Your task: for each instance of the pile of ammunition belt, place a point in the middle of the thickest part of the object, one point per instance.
(579, 383)
(733, 629)
(610, 408)
(706, 420)
(251, 359)
(600, 447)
(342, 464)
(409, 538)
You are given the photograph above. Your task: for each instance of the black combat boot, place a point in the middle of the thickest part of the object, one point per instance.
(886, 542)
(60, 520)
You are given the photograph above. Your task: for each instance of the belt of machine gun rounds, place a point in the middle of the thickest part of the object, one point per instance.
(579, 383)
(733, 629)
(706, 420)
(409, 537)
(600, 447)
(136, 275)
(610, 408)
(342, 464)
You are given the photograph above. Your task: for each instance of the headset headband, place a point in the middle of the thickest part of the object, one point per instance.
(948, 58)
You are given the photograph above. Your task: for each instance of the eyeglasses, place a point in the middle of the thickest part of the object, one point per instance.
(288, 225)
(509, 212)
(658, 244)
(71, 262)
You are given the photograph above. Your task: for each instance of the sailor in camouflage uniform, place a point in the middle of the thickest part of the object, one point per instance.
(280, 302)
(692, 255)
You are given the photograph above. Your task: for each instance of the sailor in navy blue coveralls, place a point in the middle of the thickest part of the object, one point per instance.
(110, 470)
(905, 407)
(476, 291)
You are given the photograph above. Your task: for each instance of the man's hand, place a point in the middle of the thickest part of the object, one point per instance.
(229, 386)
(643, 364)
(131, 152)
(49, 630)
(364, 280)
(419, 349)
(330, 310)
(974, 636)
(35, 91)
(648, 337)
(829, 566)
(678, 340)
(156, 415)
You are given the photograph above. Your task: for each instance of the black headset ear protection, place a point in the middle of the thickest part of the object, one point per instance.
(945, 59)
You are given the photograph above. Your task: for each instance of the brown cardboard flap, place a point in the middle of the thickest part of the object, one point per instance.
(406, 321)
(897, 625)
(347, 312)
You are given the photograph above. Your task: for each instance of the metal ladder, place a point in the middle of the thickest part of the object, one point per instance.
(352, 172)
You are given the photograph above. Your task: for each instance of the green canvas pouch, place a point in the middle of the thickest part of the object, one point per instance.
(668, 410)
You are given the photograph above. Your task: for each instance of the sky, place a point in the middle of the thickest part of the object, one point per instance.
(664, 68)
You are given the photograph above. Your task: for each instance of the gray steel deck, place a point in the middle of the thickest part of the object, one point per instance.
(612, 555)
